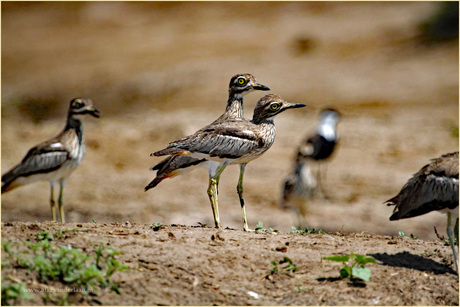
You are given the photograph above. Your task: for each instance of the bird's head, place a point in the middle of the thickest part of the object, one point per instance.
(271, 105)
(243, 84)
(83, 106)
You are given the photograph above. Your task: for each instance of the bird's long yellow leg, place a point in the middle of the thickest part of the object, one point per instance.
(450, 233)
(61, 205)
(212, 193)
(239, 189)
(53, 207)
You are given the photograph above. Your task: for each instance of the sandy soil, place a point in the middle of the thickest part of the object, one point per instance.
(160, 71)
(183, 265)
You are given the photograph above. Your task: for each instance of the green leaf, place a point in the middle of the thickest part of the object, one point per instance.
(361, 273)
(345, 271)
(362, 260)
(344, 258)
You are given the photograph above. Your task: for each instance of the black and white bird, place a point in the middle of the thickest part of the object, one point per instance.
(432, 188)
(240, 85)
(320, 146)
(55, 159)
(232, 141)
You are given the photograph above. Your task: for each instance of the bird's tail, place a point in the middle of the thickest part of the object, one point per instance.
(169, 151)
(153, 183)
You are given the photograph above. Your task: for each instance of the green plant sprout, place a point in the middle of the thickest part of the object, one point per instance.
(306, 230)
(290, 266)
(157, 226)
(260, 227)
(412, 236)
(355, 269)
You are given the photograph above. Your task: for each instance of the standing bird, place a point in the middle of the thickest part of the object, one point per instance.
(320, 146)
(232, 141)
(55, 159)
(240, 85)
(297, 188)
(433, 188)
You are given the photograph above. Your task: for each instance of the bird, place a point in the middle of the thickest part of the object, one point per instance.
(233, 141)
(320, 146)
(240, 85)
(433, 188)
(55, 159)
(297, 188)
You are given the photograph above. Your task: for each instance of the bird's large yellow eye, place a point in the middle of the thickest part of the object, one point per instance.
(78, 104)
(274, 106)
(241, 81)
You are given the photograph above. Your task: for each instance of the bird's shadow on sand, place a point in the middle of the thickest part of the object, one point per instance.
(410, 261)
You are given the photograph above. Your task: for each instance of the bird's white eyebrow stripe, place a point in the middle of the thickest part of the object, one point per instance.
(56, 145)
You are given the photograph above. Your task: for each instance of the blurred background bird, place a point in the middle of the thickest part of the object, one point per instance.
(302, 184)
(55, 159)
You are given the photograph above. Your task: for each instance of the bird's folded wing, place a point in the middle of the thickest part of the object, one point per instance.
(40, 159)
(223, 142)
(432, 193)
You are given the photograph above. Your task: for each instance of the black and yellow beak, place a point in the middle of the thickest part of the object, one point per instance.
(94, 112)
(292, 105)
(260, 87)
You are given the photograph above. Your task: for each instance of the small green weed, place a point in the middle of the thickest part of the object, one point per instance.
(260, 227)
(157, 226)
(289, 265)
(306, 230)
(355, 269)
(12, 291)
(412, 236)
(73, 267)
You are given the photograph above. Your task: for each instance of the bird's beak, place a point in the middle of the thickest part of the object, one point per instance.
(260, 87)
(292, 105)
(94, 112)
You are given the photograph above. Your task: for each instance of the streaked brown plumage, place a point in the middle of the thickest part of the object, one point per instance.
(233, 141)
(239, 86)
(55, 159)
(433, 188)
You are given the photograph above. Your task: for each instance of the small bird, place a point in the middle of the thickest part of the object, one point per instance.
(240, 85)
(432, 188)
(320, 146)
(55, 159)
(233, 141)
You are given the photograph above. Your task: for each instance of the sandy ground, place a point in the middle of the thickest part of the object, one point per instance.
(160, 71)
(229, 267)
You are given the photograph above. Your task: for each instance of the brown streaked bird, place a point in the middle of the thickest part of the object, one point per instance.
(240, 85)
(55, 159)
(233, 141)
(433, 188)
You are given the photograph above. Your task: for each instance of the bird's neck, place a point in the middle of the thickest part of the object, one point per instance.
(75, 124)
(234, 106)
(257, 120)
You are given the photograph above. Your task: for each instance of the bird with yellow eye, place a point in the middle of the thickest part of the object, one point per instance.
(233, 141)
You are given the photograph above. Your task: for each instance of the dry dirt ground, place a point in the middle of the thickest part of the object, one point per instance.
(160, 71)
(184, 265)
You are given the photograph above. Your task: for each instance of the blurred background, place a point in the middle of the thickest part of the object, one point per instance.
(159, 71)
